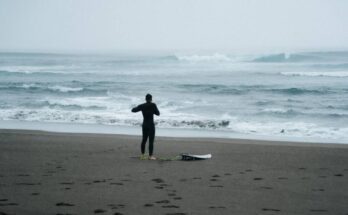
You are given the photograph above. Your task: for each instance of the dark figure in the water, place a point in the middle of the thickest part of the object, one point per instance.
(148, 109)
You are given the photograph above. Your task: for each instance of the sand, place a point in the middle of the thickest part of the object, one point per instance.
(61, 173)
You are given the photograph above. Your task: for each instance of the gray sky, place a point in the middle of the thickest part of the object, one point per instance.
(236, 25)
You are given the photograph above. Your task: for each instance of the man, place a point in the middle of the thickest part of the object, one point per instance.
(148, 109)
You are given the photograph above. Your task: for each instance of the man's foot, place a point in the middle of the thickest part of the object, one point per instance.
(152, 158)
(143, 157)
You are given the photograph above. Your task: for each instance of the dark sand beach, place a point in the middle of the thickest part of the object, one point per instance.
(61, 173)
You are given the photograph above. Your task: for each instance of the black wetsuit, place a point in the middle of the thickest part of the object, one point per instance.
(148, 109)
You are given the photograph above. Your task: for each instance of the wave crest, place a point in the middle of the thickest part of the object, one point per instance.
(199, 58)
(339, 74)
(52, 89)
(303, 57)
(62, 106)
(245, 89)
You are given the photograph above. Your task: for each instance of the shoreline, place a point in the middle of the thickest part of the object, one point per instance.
(160, 132)
(207, 140)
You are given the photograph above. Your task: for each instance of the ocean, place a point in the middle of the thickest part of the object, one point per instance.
(301, 96)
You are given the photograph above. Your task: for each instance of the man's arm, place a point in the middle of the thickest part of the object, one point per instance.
(136, 109)
(156, 111)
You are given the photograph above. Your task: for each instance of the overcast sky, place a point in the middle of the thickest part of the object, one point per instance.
(236, 25)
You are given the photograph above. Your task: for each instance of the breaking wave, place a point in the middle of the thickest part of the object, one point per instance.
(244, 89)
(299, 91)
(238, 126)
(202, 58)
(304, 57)
(37, 88)
(61, 106)
(34, 73)
(339, 74)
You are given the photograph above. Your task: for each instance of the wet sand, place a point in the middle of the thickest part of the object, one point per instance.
(60, 173)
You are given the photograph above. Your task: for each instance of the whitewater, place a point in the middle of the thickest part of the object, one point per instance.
(301, 96)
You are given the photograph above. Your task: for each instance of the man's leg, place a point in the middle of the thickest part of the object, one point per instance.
(151, 140)
(143, 142)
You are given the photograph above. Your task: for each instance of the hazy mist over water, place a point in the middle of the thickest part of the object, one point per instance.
(233, 26)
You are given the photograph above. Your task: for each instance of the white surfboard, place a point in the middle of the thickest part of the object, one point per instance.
(187, 157)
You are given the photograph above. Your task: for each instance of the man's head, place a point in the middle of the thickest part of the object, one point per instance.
(148, 97)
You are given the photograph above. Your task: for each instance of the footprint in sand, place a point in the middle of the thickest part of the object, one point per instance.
(99, 181)
(339, 175)
(67, 183)
(267, 188)
(218, 186)
(98, 211)
(217, 207)
(50, 172)
(227, 174)
(163, 202)
(23, 175)
(28, 184)
(213, 179)
(148, 205)
(3, 200)
(170, 206)
(271, 209)
(258, 179)
(64, 204)
(158, 180)
(177, 198)
(118, 206)
(216, 176)
(35, 194)
(64, 214)
(176, 214)
(116, 183)
(318, 210)
(8, 204)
